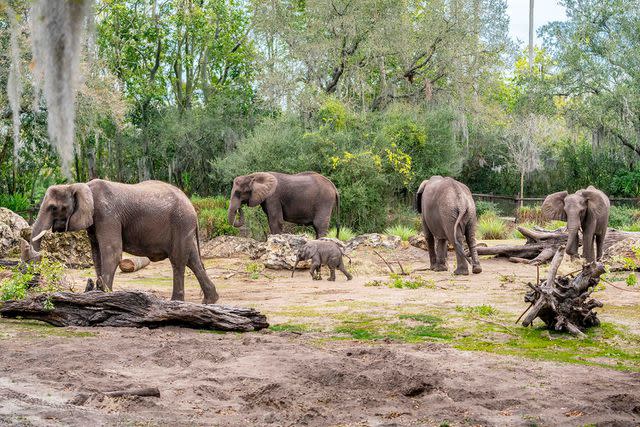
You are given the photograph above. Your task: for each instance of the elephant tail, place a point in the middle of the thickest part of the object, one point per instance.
(337, 215)
(456, 244)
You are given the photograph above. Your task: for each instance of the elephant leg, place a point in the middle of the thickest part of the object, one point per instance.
(599, 244)
(110, 256)
(470, 234)
(178, 281)
(208, 288)
(332, 274)
(441, 256)
(431, 247)
(95, 252)
(321, 221)
(274, 215)
(587, 242)
(342, 268)
(315, 271)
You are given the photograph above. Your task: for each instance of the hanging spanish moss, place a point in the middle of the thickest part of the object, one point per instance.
(57, 35)
(14, 83)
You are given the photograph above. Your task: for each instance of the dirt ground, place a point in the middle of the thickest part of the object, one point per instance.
(337, 353)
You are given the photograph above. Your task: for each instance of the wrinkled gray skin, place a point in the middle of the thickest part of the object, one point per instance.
(322, 252)
(151, 219)
(306, 198)
(448, 214)
(586, 210)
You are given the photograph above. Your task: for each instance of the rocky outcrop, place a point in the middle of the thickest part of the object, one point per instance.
(373, 240)
(418, 241)
(281, 251)
(71, 248)
(228, 246)
(11, 224)
(623, 255)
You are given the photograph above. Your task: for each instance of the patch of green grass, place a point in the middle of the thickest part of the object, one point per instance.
(346, 233)
(403, 282)
(370, 328)
(402, 231)
(41, 329)
(290, 327)
(607, 345)
(490, 227)
(254, 269)
(480, 310)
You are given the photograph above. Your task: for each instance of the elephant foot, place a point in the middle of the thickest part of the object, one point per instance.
(331, 279)
(210, 300)
(461, 271)
(439, 267)
(477, 269)
(349, 277)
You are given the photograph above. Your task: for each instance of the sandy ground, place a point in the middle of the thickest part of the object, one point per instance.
(309, 378)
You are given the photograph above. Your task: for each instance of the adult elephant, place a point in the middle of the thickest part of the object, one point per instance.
(151, 219)
(306, 198)
(586, 210)
(448, 214)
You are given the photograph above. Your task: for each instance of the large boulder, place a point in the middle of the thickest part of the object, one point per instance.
(228, 246)
(418, 241)
(71, 248)
(11, 224)
(281, 251)
(623, 255)
(374, 240)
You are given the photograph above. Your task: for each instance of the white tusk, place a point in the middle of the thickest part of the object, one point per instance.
(39, 236)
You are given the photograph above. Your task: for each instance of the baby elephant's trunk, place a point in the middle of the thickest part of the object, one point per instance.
(294, 267)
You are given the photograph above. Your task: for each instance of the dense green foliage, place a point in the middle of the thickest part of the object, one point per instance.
(376, 95)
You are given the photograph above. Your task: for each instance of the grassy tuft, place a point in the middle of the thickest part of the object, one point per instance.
(490, 227)
(346, 233)
(402, 231)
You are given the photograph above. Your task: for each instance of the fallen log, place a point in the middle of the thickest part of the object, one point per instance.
(131, 309)
(81, 398)
(129, 265)
(542, 244)
(561, 302)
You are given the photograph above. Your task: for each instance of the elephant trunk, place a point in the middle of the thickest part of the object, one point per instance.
(234, 208)
(572, 240)
(40, 227)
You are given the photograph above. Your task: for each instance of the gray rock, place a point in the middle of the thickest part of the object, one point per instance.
(228, 246)
(11, 224)
(374, 240)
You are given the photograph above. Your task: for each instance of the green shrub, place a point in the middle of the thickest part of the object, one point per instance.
(209, 203)
(256, 223)
(346, 233)
(490, 227)
(213, 222)
(622, 217)
(15, 202)
(483, 207)
(18, 287)
(401, 231)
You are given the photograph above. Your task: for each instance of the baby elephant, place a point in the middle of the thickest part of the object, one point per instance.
(322, 252)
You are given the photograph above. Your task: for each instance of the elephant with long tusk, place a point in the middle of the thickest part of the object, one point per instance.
(151, 219)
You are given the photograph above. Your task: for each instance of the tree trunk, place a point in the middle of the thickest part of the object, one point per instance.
(129, 265)
(131, 309)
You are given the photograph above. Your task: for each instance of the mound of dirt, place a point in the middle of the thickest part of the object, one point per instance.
(11, 224)
(623, 255)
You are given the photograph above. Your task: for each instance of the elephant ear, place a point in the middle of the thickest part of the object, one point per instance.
(82, 216)
(418, 198)
(597, 202)
(263, 185)
(553, 206)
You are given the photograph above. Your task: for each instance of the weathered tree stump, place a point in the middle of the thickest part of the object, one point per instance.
(542, 244)
(562, 302)
(131, 309)
(129, 265)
